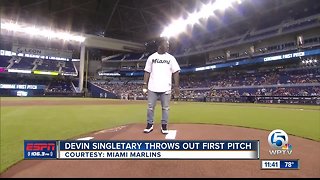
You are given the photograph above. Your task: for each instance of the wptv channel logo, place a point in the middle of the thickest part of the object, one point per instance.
(278, 140)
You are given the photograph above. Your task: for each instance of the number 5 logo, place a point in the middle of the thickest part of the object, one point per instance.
(277, 139)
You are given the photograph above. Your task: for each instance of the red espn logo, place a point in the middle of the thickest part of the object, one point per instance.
(40, 146)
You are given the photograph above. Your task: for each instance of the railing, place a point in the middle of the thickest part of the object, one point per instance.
(253, 87)
(311, 100)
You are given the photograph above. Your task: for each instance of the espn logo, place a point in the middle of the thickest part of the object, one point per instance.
(40, 149)
(40, 146)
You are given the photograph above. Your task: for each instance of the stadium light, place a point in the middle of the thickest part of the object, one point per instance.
(10, 26)
(175, 28)
(193, 18)
(47, 33)
(205, 12)
(33, 31)
(223, 4)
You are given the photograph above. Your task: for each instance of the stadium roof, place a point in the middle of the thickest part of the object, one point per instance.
(143, 20)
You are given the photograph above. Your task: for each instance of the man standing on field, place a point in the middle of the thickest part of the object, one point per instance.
(159, 69)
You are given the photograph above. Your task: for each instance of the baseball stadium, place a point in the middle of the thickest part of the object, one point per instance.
(72, 72)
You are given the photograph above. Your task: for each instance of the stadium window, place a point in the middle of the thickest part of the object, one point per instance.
(20, 54)
(27, 55)
(2, 52)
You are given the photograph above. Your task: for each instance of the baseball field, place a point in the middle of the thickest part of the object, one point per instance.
(68, 118)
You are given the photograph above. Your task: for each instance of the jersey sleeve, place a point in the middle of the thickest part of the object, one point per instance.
(174, 65)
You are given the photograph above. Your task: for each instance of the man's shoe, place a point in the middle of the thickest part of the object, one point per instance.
(149, 128)
(164, 129)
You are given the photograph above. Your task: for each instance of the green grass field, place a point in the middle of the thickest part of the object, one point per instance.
(19, 123)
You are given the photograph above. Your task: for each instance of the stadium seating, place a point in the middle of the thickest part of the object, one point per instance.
(28, 63)
(60, 86)
(299, 24)
(284, 82)
(4, 61)
(22, 63)
(47, 65)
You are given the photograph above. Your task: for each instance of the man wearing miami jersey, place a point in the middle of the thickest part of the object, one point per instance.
(159, 69)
